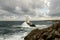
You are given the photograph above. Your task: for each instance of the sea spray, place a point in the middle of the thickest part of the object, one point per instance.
(25, 25)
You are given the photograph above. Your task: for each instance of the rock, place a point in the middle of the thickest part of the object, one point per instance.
(50, 33)
(31, 25)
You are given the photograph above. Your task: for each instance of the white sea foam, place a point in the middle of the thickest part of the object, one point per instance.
(20, 35)
(42, 26)
(25, 25)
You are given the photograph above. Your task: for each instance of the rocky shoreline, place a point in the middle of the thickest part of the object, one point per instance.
(50, 33)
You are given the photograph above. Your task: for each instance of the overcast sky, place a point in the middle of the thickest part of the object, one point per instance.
(17, 9)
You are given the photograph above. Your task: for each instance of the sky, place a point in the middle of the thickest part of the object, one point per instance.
(36, 9)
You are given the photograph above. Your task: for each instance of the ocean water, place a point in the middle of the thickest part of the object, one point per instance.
(17, 30)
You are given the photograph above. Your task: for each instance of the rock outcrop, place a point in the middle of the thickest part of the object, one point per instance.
(50, 33)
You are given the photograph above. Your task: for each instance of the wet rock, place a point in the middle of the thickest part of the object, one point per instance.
(50, 33)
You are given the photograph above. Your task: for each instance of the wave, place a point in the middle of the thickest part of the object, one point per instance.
(22, 31)
(25, 25)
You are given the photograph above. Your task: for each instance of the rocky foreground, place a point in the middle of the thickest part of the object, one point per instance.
(51, 33)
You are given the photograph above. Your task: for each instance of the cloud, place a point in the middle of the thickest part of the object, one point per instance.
(54, 8)
(17, 9)
(20, 8)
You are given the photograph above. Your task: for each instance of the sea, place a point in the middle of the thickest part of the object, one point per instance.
(17, 30)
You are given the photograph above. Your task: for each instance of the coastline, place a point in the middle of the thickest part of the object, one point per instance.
(50, 33)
